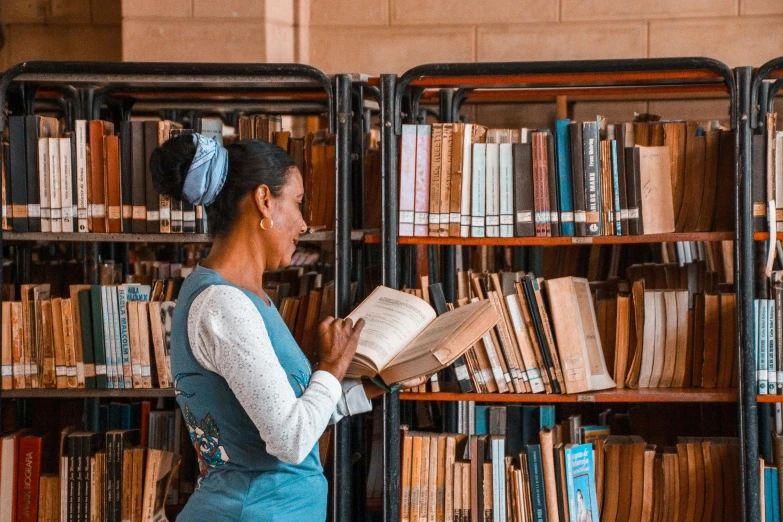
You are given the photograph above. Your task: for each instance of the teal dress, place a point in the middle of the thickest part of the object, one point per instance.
(239, 479)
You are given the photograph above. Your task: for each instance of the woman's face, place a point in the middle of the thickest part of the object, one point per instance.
(286, 213)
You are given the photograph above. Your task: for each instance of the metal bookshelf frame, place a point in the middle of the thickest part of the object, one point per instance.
(455, 83)
(81, 88)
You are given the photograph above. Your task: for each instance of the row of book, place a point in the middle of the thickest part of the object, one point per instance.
(767, 177)
(552, 476)
(91, 179)
(113, 336)
(110, 476)
(666, 325)
(583, 179)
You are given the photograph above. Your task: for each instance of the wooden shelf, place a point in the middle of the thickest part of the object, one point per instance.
(764, 236)
(769, 398)
(559, 241)
(83, 393)
(607, 396)
(312, 237)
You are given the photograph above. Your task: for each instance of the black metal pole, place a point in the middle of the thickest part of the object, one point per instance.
(744, 273)
(448, 271)
(341, 505)
(389, 265)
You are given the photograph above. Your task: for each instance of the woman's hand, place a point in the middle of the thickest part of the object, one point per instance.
(337, 343)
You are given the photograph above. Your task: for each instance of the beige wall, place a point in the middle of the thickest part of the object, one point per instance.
(60, 30)
(374, 36)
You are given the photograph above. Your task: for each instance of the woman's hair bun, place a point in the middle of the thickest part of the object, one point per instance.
(169, 164)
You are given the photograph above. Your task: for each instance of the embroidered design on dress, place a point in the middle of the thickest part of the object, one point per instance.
(205, 436)
(303, 380)
(177, 379)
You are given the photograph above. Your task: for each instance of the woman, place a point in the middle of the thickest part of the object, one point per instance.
(254, 409)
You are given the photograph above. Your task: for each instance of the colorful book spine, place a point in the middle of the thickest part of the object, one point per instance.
(772, 363)
(616, 189)
(760, 334)
(580, 482)
(564, 176)
(536, 477)
(591, 170)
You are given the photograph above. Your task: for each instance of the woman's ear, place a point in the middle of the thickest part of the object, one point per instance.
(263, 199)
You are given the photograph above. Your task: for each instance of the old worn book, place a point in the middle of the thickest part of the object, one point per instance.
(422, 181)
(656, 190)
(112, 160)
(96, 214)
(576, 330)
(160, 468)
(403, 338)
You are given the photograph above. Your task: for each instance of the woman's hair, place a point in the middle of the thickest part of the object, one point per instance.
(250, 163)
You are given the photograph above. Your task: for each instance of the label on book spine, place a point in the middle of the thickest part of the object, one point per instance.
(554, 217)
(19, 369)
(67, 213)
(506, 220)
(580, 216)
(444, 219)
(485, 375)
(70, 371)
(44, 213)
(455, 217)
(633, 213)
(406, 216)
(477, 222)
(493, 221)
(59, 371)
(34, 211)
(127, 212)
(139, 212)
(153, 215)
(145, 370)
(176, 215)
(461, 372)
(567, 217)
(525, 216)
(100, 369)
(81, 213)
(465, 220)
(89, 370)
(114, 212)
(421, 218)
(98, 211)
(136, 369)
(19, 211)
(434, 219)
(7, 370)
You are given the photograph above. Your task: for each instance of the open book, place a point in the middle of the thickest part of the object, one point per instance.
(402, 337)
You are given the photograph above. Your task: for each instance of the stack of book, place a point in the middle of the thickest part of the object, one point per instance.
(122, 468)
(519, 465)
(583, 179)
(93, 179)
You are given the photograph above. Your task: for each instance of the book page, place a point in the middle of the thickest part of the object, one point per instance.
(392, 320)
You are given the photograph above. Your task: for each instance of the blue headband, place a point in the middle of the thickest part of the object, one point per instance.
(207, 172)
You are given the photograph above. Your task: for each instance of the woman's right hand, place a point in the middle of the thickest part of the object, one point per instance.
(337, 343)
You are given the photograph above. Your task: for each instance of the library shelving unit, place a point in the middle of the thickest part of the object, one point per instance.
(513, 82)
(86, 90)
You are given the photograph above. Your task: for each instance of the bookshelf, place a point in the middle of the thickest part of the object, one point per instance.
(451, 85)
(82, 90)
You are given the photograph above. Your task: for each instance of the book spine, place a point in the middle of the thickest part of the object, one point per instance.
(126, 170)
(778, 295)
(138, 174)
(176, 216)
(72, 481)
(7, 206)
(33, 178)
(619, 161)
(436, 171)
(536, 477)
(422, 181)
(85, 326)
(455, 190)
(467, 184)
(66, 184)
(407, 180)
(578, 178)
(772, 363)
(506, 191)
(120, 367)
(634, 183)
(616, 189)
(591, 170)
(28, 476)
(97, 213)
(82, 180)
(108, 489)
(552, 188)
(102, 379)
(492, 190)
(761, 343)
(18, 168)
(445, 179)
(113, 184)
(55, 192)
(478, 198)
(758, 182)
(565, 177)
(122, 313)
(44, 181)
(152, 200)
(524, 205)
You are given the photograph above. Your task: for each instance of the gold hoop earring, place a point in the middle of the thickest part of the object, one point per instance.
(267, 227)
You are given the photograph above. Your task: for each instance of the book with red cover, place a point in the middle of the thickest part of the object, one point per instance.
(28, 474)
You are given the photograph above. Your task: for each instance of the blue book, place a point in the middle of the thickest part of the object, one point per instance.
(482, 420)
(536, 474)
(769, 511)
(616, 190)
(580, 482)
(775, 496)
(565, 177)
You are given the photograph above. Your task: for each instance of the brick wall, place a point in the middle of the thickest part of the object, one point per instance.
(60, 30)
(374, 36)
(208, 30)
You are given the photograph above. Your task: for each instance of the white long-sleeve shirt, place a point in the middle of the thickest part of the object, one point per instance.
(228, 336)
